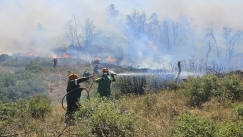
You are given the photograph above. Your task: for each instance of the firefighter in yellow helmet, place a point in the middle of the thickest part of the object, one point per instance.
(104, 83)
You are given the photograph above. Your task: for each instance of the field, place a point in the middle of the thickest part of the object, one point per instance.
(205, 106)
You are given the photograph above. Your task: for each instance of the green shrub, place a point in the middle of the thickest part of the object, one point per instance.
(3, 125)
(4, 57)
(33, 67)
(170, 85)
(233, 87)
(7, 111)
(239, 110)
(201, 89)
(229, 129)
(10, 114)
(104, 117)
(22, 61)
(21, 85)
(188, 125)
(14, 62)
(39, 106)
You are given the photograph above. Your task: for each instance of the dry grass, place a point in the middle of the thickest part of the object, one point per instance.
(155, 111)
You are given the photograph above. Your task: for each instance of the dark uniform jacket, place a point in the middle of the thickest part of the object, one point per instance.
(74, 94)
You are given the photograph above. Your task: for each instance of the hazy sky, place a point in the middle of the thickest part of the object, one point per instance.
(19, 18)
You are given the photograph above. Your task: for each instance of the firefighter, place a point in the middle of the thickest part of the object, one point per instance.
(104, 83)
(95, 71)
(74, 94)
(55, 62)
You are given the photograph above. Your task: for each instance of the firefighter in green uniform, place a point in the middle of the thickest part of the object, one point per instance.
(104, 83)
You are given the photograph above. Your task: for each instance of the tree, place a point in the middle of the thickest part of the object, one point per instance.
(166, 33)
(73, 33)
(181, 30)
(232, 39)
(112, 12)
(80, 35)
(211, 41)
(136, 22)
(89, 31)
(174, 32)
(153, 29)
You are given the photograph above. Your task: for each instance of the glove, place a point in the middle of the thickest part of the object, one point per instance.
(112, 75)
(83, 88)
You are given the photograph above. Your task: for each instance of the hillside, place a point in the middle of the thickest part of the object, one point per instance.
(190, 109)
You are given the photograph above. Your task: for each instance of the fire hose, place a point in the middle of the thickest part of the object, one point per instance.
(74, 90)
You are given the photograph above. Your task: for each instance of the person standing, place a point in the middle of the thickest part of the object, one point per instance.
(74, 93)
(104, 83)
(55, 62)
(95, 70)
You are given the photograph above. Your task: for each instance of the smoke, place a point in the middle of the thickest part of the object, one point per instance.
(220, 12)
(39, 26)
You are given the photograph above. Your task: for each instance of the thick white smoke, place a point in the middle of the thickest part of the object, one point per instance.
(39, 26)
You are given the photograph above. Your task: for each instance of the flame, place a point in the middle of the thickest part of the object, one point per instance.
(55, 56)
(34, 54)
(65, 55)
(110, 59)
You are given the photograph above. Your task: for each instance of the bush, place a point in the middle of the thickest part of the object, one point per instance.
(7, 111)
(229, 129)
(239, 110)
(33, 67)
(132, 84)
(14, 62)
(4, 57)
(11, 113)
(233, 87)
(201, 89)
(3, 125)
(39, 106)
(188, 125)
(171, 85)
(101, 117)
(21, 85)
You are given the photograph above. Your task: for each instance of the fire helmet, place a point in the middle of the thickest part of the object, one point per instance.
(72, 76)
(105, 70)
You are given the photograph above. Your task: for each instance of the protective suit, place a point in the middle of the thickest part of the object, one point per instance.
(104, 83)
(74, 94)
